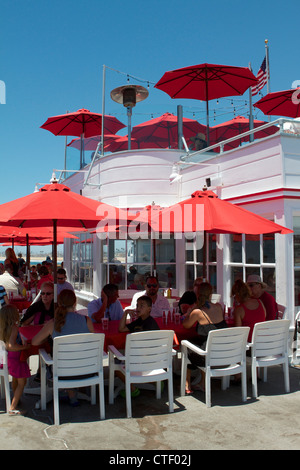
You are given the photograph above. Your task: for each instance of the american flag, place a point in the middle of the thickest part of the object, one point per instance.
(262, 77)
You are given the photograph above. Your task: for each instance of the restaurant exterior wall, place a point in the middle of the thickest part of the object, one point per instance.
(263, 176)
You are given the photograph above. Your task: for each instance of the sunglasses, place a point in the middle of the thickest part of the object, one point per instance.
(253, 284)
(152, 285)
(46, 293)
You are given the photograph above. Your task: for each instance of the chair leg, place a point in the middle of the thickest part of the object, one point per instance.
(101, 397)
(244, 384)
(254, 378)
(171, 394)
(56, 404)
(183, 370)
(207, 388)
(111, 380)
(93, 394)
(7, 393)
(43, 385)
(158, 390)
(128, 399)
(285, 367)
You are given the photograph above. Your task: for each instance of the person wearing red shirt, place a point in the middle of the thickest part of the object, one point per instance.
(258, 292)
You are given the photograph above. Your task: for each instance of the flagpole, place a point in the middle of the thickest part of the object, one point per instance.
(267, 70)
(251, 137)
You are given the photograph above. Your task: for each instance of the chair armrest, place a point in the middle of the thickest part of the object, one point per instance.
(45, 357)
(193, 348)
(112, 349)
(174, 352)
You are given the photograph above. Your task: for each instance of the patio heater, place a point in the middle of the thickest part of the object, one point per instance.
(128, 96)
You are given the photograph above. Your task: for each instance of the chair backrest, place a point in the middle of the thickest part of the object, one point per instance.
(270, 338)
(226, 346)
(3, 356)
(79, 354)
(149, 350)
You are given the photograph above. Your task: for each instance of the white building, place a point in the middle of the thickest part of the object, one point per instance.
(262, 176)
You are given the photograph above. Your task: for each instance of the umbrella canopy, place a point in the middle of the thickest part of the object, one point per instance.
(237, 126)
(165, 129)
(54, 205)
(82, 123)
(205, 212)
(91, 143)
(281, 103)
(206, 82)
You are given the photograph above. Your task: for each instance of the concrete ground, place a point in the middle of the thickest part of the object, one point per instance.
(271, 422)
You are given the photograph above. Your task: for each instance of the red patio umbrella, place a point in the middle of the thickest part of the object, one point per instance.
(82, 123)
(281, 103)
(54, 205)
(206, 82)
(205, 212)
(237, 126)
(165, 129)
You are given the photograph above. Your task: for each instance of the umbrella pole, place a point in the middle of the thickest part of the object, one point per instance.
(55, 260)
(204, 271)
(207, 123)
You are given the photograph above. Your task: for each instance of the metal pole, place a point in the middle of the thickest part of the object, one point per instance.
(180, 126)
(267, 70)
(129, 113)
(251, 126)
(103, 111)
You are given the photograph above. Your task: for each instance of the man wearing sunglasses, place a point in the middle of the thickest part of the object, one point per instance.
(159, 303)
(42, 310)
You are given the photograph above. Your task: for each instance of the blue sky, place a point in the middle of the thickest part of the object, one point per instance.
(52, 54)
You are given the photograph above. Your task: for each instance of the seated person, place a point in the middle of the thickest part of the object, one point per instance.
(3, 297)
(258, 291)
(42, 310)
(62, 282)
(107, 306)
(159, 303)
(9, 282)
(144, 322)
(208, 317)
(187, 302)
(199, 140)
(248, 311)
(44, 276)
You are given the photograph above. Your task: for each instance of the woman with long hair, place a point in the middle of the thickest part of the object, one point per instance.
(66, 322)
(248, 310)
(207, 316)
(19, 370)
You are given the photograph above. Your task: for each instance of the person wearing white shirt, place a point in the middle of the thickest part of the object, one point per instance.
(159, 303)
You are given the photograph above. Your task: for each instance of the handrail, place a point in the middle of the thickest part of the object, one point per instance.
(221, 144)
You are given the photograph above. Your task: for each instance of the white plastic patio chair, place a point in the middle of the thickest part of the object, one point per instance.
(4, 376)
(225, 355)
(79, 356)
(269, 347)
(147, 359)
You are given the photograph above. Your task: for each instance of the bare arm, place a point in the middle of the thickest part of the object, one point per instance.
(122, 325)
(239, 314)
(12, 344)
(43, 334)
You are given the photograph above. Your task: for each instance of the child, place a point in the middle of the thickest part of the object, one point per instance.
(144, 322)
(9, 334)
